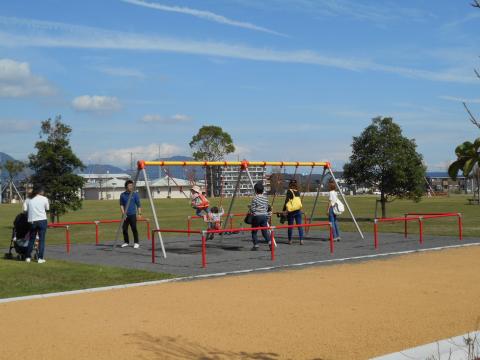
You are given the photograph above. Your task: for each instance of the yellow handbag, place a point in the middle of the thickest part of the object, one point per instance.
(294, 204)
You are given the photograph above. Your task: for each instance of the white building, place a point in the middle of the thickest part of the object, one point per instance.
(226, 180)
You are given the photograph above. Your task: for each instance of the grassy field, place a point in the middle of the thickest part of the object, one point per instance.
(19, 279)
(173, 214)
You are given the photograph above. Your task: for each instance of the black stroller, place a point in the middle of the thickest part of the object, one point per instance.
(20, 237)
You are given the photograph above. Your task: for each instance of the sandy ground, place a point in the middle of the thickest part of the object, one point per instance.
(350, 311)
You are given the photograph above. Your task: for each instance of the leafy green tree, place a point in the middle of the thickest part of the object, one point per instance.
(468, 161)
(54, 166)
(13, 167)
(211, 143)
(383, 158)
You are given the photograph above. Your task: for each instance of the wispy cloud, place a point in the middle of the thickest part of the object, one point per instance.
(375, 11)
(9, 126)
(50, 34)
(17, 80)
(458, 99)
(95, 103)
(174, 119)
(121, 72)
(202, 14)
(122, 156)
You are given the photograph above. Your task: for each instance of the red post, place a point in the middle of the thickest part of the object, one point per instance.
(153, 246)
(460, 230)
(375, 233)
(272, 243)
(405, 232)
(420, 223)
(331, 239)
(148, 230)
(96, 233)
(189, 221)
(67, 235)
(204, 250)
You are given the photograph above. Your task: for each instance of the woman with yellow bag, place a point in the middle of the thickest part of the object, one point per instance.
(293, 208)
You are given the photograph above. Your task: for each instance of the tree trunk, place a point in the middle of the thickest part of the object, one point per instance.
(383, 201)
(10, 189)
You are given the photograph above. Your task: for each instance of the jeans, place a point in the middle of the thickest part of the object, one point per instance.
(259, 221)
(198, 212)
(39, 227)
(132, 221)
(297, 217)
(333, 220)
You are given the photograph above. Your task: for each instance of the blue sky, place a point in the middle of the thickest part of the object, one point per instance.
(288, 79)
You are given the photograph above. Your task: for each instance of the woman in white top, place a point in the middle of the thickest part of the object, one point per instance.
(37, 206)
(332, 200)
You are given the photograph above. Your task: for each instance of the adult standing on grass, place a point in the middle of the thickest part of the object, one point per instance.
(332, 217)
(130, 214)
(259, 210)
(37, 206)
(295, 214)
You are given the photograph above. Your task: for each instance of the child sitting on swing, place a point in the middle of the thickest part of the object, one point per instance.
(199, 201)
(214, 219)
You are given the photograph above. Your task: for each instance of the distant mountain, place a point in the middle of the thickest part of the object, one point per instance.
(102, 169)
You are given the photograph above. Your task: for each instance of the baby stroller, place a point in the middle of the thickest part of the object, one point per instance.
(20, 237)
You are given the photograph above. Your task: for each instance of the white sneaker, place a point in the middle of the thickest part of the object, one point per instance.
(124, 245)
(136, 245)
(41, 261)
(28, 260)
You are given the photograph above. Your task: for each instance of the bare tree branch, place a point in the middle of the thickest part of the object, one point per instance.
(476, 4)
(476, 73)
(472, 118)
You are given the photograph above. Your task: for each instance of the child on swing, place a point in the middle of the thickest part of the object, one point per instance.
(213, 219)
(199, 201)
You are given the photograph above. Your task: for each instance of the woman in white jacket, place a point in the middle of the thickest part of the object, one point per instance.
(332, 200)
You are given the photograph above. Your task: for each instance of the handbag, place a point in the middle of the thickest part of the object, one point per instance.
(338, 208)
(294, 203)
(248, 218)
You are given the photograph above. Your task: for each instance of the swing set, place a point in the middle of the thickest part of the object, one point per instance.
(243, 167)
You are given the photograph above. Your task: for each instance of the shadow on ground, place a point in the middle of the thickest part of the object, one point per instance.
(168, 347)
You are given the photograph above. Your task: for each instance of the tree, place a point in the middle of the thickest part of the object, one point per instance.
(211, 143)
(468, 161)
(13, 167)
(54, 166)
(383, 158)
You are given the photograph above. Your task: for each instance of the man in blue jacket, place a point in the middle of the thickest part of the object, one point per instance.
(131, 213)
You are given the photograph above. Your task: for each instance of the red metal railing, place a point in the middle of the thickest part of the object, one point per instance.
(67, 225)
(420, 217)
(230, 221)
(270, 228)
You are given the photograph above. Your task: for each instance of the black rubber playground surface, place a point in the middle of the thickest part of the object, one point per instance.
(232, 253)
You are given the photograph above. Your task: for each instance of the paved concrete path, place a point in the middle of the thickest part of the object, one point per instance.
(233, 252)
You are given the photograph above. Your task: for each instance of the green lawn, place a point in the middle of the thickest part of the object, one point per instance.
(20, 279)
(173, 214)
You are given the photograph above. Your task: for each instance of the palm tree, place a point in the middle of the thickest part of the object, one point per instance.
(13, 167)
(468, 160)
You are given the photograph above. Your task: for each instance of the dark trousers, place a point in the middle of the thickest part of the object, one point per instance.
(40, 228)
(259, 221)
(297, 217)
(333, 219)
(132, 221)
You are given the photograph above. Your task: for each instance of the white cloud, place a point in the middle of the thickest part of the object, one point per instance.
(121, 72)
(17, 80)
(96, 103)
(51, 34)
(174, 119)
(202, 14)
(16, 126)
(121, 156)
(457, 99)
